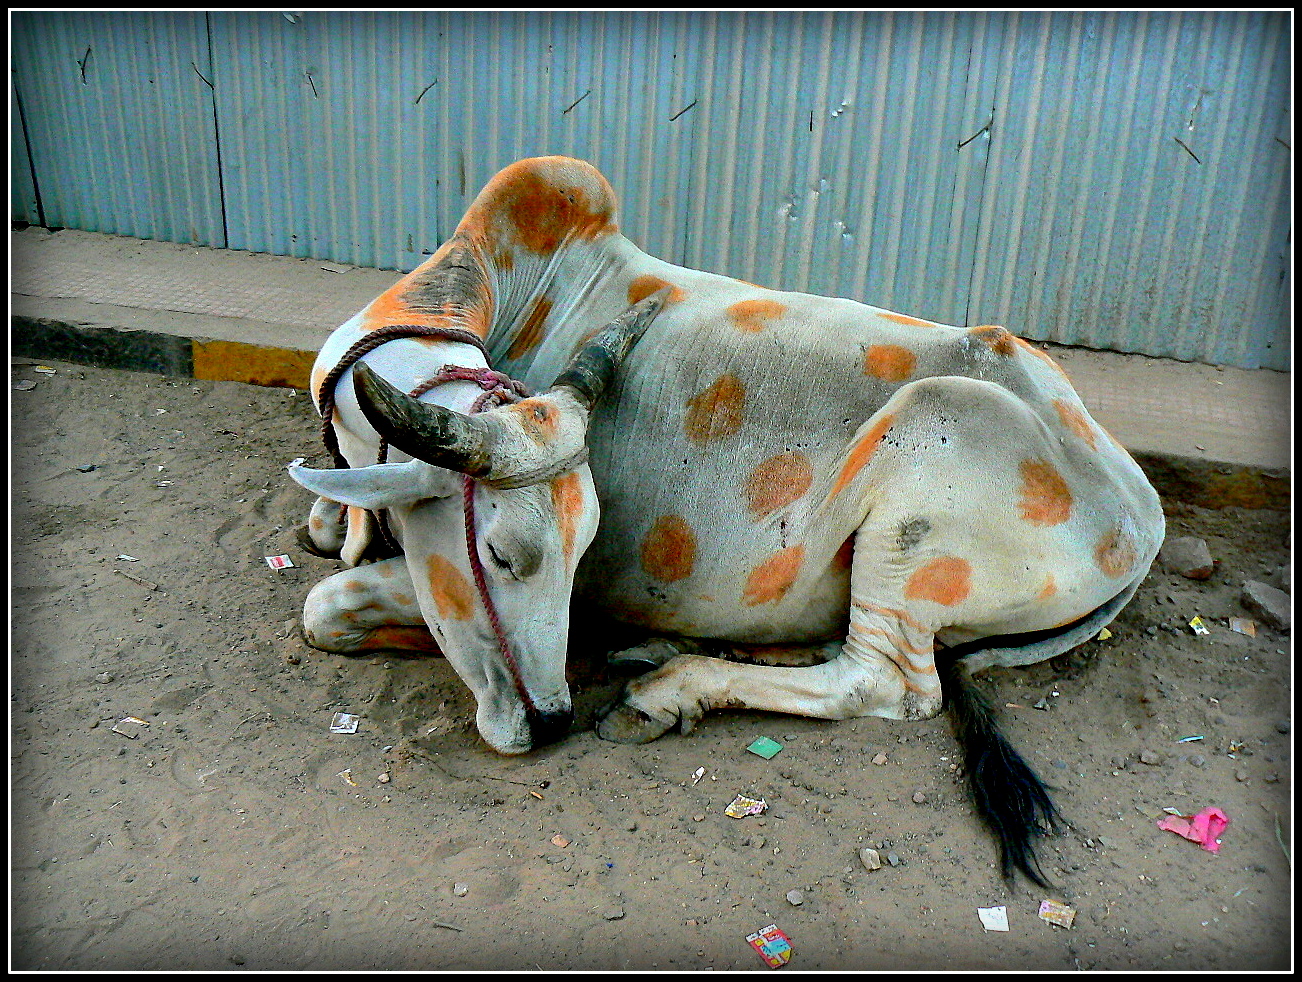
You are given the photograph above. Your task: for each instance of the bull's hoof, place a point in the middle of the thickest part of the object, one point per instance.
(626, 724)
(653, 654)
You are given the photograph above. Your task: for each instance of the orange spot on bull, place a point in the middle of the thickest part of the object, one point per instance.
(390, 307)
(844, 557)
(544, 212)
(1115, 552)
(906, 320)
(539, 419)
(996, 338)
(1050, 588)
(863, 452)
(447, 290)
(531, 332)
(1075, 420)
(644, 286)
(451, 591)
(770, 580)
(316, 522)
(404, 638)
(778, 481)
(355, 586)
(669, 549)
(754, 315)
(319, 372)
(716, 411)
(567, 499)
(946, 581)
(357, 520)
(1045, 497)
(889, 362)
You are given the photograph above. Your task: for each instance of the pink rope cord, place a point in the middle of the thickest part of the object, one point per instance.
(498, 394)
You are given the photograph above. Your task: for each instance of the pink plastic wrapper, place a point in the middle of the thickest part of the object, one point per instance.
(1205, 828)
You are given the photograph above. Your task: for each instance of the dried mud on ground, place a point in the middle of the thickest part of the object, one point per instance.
(235, 831)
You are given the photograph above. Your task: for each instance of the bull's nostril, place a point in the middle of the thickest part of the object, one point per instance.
(547, 728)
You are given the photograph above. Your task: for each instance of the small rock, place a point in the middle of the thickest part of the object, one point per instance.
(919, 798)
(880, 758)
(1283, 726)
(104, 678)
(1189, 556)
(384, 778)
(1241, 775)
(1150, 757)
(614, 912)
(1197, 760)
(893, 859)
(86, 468)
(1271, 605)
(460, 889)
(795, 898)
(870, 858)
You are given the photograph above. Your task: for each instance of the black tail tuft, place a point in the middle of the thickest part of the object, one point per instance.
(1010, 797)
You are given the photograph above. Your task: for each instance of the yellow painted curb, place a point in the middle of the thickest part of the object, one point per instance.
(233, 361)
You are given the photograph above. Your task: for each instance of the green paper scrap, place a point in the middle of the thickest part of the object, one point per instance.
(765, 747)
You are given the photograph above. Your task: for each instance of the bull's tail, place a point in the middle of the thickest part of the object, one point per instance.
(1010, 798)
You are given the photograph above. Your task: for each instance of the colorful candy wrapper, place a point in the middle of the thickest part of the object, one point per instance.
(742, 806)
(773, 946)
(1056, 912)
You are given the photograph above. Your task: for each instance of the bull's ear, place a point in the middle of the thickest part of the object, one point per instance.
(379, 485)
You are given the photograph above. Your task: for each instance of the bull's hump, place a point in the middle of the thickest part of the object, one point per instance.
(541, 203)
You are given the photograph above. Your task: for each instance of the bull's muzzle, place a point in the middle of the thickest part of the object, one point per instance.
(546, 728)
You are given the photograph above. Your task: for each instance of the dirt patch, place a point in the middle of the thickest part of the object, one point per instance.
(236, 831)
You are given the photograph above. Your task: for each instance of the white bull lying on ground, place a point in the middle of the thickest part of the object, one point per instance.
(909, 502)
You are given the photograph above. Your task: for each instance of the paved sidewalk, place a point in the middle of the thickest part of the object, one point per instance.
(1210, 435)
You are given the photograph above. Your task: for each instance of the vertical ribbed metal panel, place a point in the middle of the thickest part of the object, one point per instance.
(23, 206)
(1110, 179)
(1137, 197)
(119, 122)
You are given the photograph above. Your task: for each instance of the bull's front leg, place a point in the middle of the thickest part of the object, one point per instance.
(884, 668)
(367, 608)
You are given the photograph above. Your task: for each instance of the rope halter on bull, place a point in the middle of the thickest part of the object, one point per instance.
(498, 389)
(586, 378)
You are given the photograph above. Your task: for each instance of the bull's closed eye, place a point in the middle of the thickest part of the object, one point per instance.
(501, 561)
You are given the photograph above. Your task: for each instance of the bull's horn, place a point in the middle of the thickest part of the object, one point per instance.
(427, 432)
(596, 363)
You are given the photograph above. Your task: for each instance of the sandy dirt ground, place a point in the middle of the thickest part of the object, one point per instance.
(235, 831)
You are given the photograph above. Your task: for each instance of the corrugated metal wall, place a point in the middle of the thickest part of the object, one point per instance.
(1117, 180)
